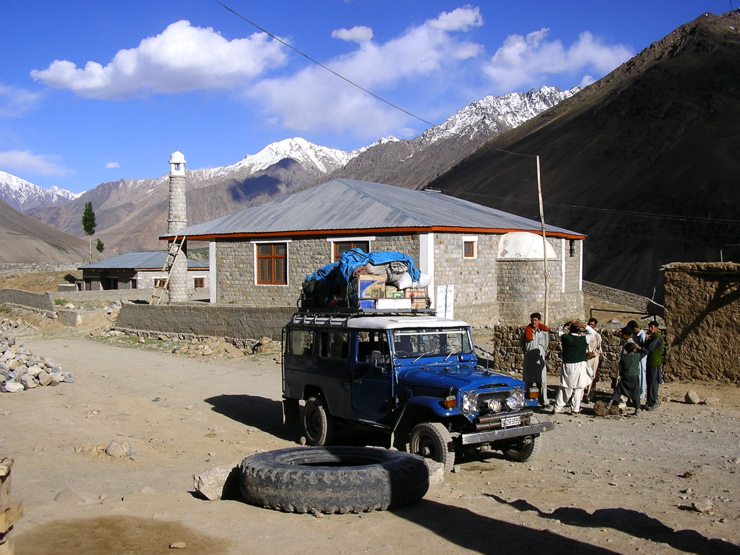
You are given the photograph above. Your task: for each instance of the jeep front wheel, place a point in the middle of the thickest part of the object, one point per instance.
(523, 452)
(318, 424)
(432, 440)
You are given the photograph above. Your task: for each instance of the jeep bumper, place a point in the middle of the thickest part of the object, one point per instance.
(489, 436)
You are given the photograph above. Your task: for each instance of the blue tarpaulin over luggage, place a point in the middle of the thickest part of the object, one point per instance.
(324, 281)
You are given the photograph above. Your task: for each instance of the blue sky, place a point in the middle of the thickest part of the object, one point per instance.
(96, 90)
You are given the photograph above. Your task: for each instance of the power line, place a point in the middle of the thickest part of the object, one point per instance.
(294, 49)
(596, 209)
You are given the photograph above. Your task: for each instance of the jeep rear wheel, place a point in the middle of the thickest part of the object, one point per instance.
(525, 451)
(318, 424)
(432, 441)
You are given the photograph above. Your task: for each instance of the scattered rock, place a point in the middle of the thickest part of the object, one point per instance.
(600, 408)
(118, 449)
(22, 370)
(692, 397)
(220, 482)
(704, 506)
(178, 545)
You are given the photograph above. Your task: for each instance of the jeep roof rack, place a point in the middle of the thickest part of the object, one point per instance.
(341, 315)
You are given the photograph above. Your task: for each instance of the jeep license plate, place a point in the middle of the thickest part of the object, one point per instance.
(508, 421)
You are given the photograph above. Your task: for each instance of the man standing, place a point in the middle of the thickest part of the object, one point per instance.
(655, 346)
(594, 350)
(574, 376)
(639, 337)
(534, 342)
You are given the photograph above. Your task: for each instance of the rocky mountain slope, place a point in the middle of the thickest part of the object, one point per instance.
(24, 239)
(644, 161)
(131, 214)
(22, 195)
(413, 163)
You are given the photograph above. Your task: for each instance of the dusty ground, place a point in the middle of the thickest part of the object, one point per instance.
(599, 485)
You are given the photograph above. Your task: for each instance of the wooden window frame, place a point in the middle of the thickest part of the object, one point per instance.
(470, 241)
(273, 258)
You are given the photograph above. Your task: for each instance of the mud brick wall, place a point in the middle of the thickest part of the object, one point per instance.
(27, 299)
(702, 302)
(234, 323)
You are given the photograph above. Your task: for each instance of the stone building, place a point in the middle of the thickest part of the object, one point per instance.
(138, 270)
(486, 265)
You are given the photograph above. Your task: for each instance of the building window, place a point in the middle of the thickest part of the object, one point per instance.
(272, 263)
(199, 282)
(344, 246)
(572, 247)
(160, 282)
(470, 247)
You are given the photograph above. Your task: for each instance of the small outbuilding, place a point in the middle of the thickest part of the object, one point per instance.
(138, 270)
(486, 266)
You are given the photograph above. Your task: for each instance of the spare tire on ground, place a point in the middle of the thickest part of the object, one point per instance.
(333, 479)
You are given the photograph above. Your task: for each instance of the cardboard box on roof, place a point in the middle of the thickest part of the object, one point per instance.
(368, 286)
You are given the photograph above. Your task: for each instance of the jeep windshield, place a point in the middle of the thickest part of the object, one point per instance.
(416, 343)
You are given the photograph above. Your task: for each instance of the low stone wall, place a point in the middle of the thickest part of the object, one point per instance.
(618, 297)
(702, 314)
(112, 295)
(234, 323)
(27, 299)
(508, 356)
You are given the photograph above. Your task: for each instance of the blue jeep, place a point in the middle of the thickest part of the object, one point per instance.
(413, 375)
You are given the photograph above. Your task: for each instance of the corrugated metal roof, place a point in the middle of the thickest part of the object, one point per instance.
(347, 204)
(138, 261)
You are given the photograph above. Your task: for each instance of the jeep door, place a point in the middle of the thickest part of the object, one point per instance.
(372, 376)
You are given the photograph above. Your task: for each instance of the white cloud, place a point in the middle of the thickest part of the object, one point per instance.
(529, 61)
(38, 164)
(112, 165)
(327, 103)
(182, 58)
(358, 34)
(15, 101)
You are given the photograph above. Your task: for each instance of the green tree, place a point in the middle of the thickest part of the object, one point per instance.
(100, 246)
(88, 223)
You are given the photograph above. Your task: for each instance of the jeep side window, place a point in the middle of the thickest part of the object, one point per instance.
(334, 345)
(300, 342)
(369, 341)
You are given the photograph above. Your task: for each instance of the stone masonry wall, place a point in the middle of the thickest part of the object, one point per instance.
(236, 272)
(474, 278)
(508, 356)
(702, 302)
(235, 323)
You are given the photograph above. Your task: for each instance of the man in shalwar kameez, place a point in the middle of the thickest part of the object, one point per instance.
(574, 376)
(534, 342)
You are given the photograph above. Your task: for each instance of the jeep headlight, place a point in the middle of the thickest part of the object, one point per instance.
(494, 404)
(516, 399)
(469, 402)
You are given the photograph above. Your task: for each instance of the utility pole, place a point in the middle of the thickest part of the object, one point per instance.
(544, 244)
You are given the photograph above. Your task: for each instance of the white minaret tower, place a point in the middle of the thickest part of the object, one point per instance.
(176, 221)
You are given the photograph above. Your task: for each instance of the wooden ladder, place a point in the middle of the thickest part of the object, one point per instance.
(162, 284)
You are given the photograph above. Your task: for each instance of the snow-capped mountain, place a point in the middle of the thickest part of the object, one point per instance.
(22, 195)
(322, 158)
(415, 162)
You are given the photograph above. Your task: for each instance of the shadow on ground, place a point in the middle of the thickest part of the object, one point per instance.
(634, 523)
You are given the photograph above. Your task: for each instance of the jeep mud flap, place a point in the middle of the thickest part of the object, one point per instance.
(489, 436)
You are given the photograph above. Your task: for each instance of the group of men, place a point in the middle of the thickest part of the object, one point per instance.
(640, 363)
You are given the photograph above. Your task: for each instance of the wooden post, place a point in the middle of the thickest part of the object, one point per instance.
(10, 512)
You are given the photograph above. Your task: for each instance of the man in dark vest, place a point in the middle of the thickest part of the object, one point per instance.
(655, 345)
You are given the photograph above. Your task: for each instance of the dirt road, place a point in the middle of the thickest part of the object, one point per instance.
(599, 485)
